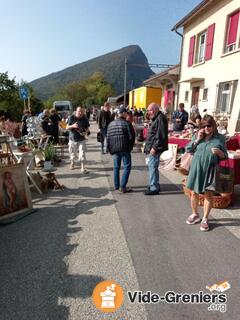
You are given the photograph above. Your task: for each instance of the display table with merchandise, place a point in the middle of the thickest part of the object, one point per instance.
(181, 142)
(233, 162)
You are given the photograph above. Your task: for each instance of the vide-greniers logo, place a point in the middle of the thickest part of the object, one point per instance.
(216, 301)
(108, 296)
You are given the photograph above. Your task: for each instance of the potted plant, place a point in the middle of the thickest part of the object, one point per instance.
(49, 154)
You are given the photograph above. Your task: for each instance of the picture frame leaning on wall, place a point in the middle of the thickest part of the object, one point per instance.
(15, 196)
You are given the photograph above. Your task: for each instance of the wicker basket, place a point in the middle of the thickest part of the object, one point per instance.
(182, 171)
(219, 202)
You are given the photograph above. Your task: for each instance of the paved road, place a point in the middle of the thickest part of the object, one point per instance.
(169, 255)
(50, 261)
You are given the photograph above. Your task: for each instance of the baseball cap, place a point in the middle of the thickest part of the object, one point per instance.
(122, 109)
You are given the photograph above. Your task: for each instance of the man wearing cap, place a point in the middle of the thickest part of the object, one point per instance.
(156, 142)
(120, 141)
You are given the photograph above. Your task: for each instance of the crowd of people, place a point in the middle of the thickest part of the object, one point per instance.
(118, 138)
(207, 149)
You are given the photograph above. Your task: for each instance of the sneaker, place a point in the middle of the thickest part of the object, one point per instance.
(84, 171)
(204, 225)
(193, 218)
(149, 192)
(72, 165)
(125, 189)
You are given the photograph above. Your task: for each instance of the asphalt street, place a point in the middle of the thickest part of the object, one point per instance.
(168, 254)
(51, 260)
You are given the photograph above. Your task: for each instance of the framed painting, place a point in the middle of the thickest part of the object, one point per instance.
(15, 196)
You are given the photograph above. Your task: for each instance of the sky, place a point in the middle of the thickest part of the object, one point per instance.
(39, 37)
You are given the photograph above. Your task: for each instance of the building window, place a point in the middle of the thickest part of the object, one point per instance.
(232, 32)
(201, 45)
(226, 95)
(186, 96)
(205, 94)
(204, 46)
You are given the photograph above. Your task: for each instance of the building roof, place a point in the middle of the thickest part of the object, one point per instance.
(192, 79)
(117, 99)
(192, 14)
(171, 71)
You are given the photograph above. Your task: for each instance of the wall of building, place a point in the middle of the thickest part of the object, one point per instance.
(221, 68)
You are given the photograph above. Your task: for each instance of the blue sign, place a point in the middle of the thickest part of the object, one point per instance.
(23, 91)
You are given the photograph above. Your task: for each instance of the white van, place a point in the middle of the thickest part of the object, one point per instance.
(64, 108)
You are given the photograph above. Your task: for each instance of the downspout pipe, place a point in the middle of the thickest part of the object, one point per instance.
(180, 71)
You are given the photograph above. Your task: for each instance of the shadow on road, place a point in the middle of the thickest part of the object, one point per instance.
(34, 276)
(224, 222)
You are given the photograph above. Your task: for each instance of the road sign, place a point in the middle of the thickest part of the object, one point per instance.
(23, 91)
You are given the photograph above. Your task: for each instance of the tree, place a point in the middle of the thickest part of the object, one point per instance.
(9, 98)
(94, 90)
(10, 102)
(76, 92)
(98, 89)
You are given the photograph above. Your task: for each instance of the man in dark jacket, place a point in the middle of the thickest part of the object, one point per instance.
(156, 143)
(120, 141)
(103, 122)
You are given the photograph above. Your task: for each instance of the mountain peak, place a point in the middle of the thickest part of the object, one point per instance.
(110, 64)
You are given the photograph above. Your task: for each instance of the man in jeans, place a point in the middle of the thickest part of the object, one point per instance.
(156, 142)
(120, 141)
(78, 126)
(103, 122)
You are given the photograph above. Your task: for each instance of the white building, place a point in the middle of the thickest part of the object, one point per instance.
(210, 59)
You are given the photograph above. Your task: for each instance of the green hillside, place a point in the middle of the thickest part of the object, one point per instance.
(110, 64)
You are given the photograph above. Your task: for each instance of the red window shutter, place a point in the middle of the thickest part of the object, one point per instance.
(233, 28)
(172, 94)
(209, 42)
(191, 51)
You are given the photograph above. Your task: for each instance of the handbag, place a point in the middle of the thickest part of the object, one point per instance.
(220, 179)
(99, 137)
(168, 157)
(185, 165)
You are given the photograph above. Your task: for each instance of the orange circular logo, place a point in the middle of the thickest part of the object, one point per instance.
(108, 296)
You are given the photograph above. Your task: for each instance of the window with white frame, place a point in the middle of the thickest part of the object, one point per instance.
(201, 46)
(226, 95)
(186, 96)
(232, 34)
(205, 94)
